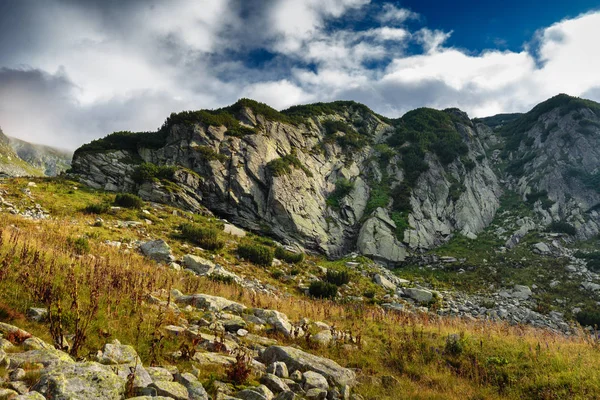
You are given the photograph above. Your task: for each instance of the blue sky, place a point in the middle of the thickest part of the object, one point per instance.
(75, 70)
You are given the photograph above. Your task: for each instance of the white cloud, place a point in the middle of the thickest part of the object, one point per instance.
(391, 13)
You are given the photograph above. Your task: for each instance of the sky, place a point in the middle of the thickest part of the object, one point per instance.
(75, 70)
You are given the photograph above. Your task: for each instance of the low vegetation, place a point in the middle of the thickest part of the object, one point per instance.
(128, 200)
(257, 254)
(288, 256)
(206, 237)
(148, 172)
(283, 166)
(343, 187)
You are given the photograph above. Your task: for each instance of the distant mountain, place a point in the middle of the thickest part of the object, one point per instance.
(51, 161)
(11, 164)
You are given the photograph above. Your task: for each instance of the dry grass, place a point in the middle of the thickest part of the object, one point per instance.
(101, 295)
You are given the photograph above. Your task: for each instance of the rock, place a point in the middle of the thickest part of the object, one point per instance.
(199, 265)
(234, 230)
(37, 314)
(521, 292)
(157, 250)
(88, 380)
(46, 357)
(316, 394)
(297, 359)
(274, 383)
(278, 320)
(419, 295)
(322, 338)
(312, 379)
(541, 248)
(29, 396)
(17, 374)
(125, 360)
(7, 393)
(159, 374)
(384, 282)
(256, 393)
(208, 302)
(287, 396)
(194, 387)
(377, 239)
(35, 343)
(172, 390)
(278, 369)
(296, 375)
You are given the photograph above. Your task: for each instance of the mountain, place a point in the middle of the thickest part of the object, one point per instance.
(328, 177)
(337, 177)
(10, 163)
(51, 161)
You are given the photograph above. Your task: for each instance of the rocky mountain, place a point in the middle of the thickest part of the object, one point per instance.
(338, 177)
(10, 163)
(328, 177)
(52, 161)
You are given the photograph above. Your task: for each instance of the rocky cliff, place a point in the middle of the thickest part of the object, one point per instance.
(328, 177)
(552, 158)
(51, 161)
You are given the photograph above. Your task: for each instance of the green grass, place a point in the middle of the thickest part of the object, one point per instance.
(283, 166)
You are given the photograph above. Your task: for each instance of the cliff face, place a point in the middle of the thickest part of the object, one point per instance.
(332, 178)
(553, 161)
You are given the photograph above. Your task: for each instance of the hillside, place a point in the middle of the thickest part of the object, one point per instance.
(137, 302)
(10, 163)
(51, 161)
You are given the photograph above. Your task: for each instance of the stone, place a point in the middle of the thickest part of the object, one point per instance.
(195, 389)
(296, 375)
(278, 320)
(274, 383)
(199, 265)
(46, 357)
(541, 248)
(287, 396)
(278, 369)
(157, 250)
(172, 390)
(89, 380)
(30, 396)
(521, 292)
(323, 338)
(297, 359)
(234, 230)
(256, 393)
(37, 314)
(208, 302)
(125, 360)
(384, 282)
(312, 379)
(7, 393)
(17, 374)
(159, 374)
(419, 295)
(35, 343)
(316, 394)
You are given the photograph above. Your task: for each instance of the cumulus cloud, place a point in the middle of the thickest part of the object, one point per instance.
(72, 71)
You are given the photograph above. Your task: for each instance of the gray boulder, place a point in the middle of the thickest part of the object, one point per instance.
(172, 390)
(274, 383)
(157, 250)
(194, 387)
(314, 380)
(297, 359)
(419, 295)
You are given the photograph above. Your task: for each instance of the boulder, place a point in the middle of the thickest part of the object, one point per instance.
(89, 380)
(256, 393)
(316, 394)
(157, 250)
(194, 387)
(419, 295)
(521, 292)
(274, 383)
(297, 359)
(208, 302)
(278, 369)
(171, 390)
(384, 282)
(541, 248)
(199, 265)
(159, 374)
(30, 396)
(278, 320)
(312, 380)
(322, 338)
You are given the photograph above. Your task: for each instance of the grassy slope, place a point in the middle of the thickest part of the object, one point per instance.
(492, 360)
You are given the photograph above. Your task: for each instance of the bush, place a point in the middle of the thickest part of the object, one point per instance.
(337, 278)
(128, 200)
(343, 187)
(288, 256)
(80, 245)
(283, 166)
(147, 172)
(96, 208)
(257, 254)
(207, 238)
(323, 290)
(588, 318)
(562, 227)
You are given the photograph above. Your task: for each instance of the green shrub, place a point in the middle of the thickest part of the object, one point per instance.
(209, 154)
(257, 254)
(147, 172)
(343, 187)
(207, 238)
(588, 317)
(562, 227)
(125, 140)
(283, 166)
(288, 256)
(80, 246)
(337, 278)
(323, 290)
(277, 274)
(96, 208)
(128, 200)
(593, 260)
